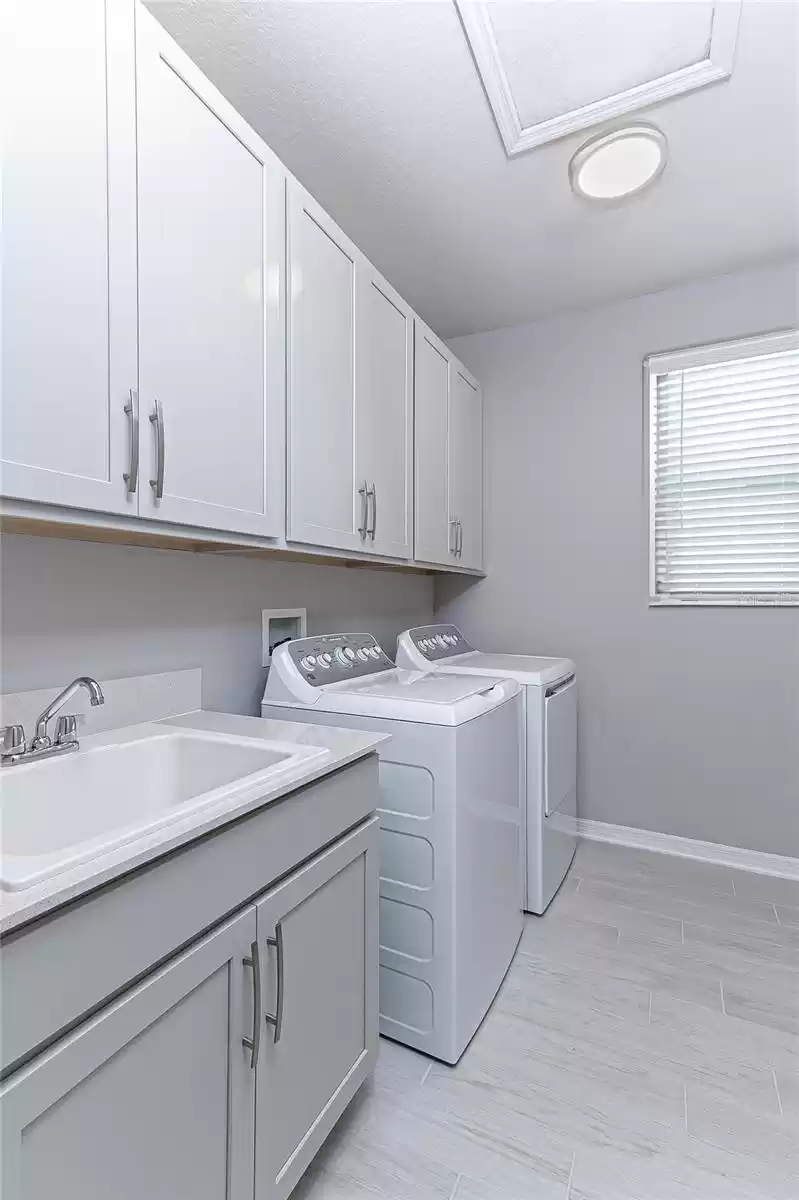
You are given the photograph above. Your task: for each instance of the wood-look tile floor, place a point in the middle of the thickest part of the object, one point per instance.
(644, 1046)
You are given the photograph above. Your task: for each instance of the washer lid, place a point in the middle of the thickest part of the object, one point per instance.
(524, 668)
(444, 648)
(429, 698)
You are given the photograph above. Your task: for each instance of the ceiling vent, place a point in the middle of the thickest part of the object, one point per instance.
(552, 69)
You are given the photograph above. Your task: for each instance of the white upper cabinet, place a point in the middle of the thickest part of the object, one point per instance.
(187, 337)
(384, 415)
(448, 413)
(466, 465)
(210, 361)
(323, 504)
(349, 392)
(435, 539)
(68, 251)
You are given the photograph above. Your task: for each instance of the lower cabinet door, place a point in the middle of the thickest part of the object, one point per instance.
(152, 1098)
(318, 943)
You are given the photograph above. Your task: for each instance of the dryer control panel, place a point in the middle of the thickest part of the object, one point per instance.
(439, 641)
(333, 657)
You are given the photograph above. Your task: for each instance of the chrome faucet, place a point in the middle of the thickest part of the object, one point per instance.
(42, 739)
(15, 747)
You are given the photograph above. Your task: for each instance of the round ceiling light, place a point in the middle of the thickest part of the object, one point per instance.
(613, 166)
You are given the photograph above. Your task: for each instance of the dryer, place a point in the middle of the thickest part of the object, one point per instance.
(549, 745)
(451, 886)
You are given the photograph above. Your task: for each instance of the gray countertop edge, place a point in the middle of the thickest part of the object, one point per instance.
(344, 746)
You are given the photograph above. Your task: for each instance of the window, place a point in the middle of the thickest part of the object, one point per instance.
(724, 473)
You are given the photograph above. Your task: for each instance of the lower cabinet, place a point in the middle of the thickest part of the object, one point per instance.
(223, 1072)
(153, 1097)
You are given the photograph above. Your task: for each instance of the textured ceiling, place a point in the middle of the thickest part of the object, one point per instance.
(377, 108)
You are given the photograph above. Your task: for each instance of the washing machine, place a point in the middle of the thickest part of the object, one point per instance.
(549, 744)
(451, 885)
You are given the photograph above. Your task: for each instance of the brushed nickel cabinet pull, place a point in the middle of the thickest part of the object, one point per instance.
(253, 1044)
(157, 419)
(131, 476)
(277, 1020)
(372, 492)
(363, 492)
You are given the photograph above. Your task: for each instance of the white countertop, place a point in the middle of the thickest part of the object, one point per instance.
(341, 746)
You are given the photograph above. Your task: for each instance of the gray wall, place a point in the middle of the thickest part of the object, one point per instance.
(689, 719)
(74, 607)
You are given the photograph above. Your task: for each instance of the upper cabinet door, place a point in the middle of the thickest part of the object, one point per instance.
(466, 466)
(210, 241)
(384, 415)
(435, 537)
(324, 506)
(68, 252)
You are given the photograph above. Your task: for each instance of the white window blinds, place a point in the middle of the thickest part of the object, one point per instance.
(724, 473)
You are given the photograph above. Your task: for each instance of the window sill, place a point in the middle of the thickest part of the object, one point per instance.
(789, 601)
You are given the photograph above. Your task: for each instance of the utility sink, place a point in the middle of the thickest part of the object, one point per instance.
(61, 812)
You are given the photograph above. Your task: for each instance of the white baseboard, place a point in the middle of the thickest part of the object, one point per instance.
(709, 852)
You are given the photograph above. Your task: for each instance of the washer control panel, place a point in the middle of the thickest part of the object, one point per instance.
(439, 641)
(332, 657)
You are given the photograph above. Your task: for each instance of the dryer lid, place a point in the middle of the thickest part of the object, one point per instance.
(444, 648)
(525, 668)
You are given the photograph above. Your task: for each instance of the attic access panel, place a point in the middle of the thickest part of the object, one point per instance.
(552, 69)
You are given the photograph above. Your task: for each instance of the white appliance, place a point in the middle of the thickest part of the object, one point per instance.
(451, 885)
(549, 747)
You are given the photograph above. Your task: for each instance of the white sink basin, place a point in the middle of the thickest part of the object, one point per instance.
(61, 812)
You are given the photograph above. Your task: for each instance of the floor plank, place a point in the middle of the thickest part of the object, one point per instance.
(619, 863)
(684, 904)
(729, 1126)
(694, 1171)
(766, 887)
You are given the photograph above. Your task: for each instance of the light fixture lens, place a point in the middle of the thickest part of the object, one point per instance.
(614, 165)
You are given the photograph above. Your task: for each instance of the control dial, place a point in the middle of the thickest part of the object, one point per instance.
(343, 658)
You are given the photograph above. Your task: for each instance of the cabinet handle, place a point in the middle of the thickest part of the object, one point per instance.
(452, 525)
(131, 476)
(460, 538)
(363, 492)
(253, 1044)
(157, 419)
(277, 1019)
(373, 494)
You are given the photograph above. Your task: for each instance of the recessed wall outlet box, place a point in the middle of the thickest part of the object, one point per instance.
(279, 625)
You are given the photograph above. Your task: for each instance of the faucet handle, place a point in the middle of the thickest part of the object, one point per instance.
(13, 740)
(66, 730)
